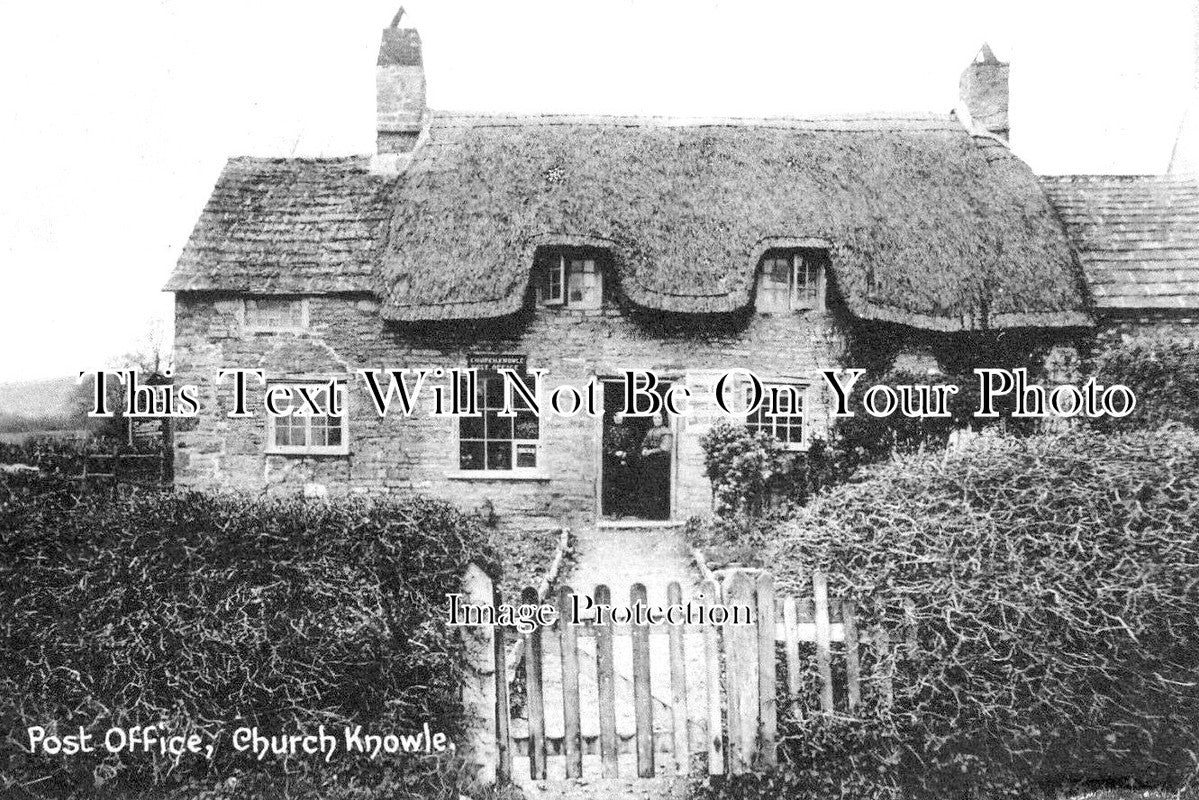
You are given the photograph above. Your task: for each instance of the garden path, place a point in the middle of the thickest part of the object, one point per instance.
(654, 554)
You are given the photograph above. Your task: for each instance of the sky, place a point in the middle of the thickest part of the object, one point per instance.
(116, 117)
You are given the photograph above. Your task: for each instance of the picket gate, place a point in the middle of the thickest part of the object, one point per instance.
(716, 705)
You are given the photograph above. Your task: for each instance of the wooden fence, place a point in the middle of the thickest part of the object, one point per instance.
(147, 470)
(734, 701)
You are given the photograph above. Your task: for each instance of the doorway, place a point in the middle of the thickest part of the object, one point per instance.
(634, 484)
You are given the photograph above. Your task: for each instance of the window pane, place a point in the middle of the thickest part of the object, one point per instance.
(470, 455)
(526, 456)
(784, 400)
(289, 432)
(333, 433)
(777, 270)
(303, 430)
(498, 427)
(518, 402)
(549, 281)
(526, 425)
(781, 413)
(499, 455)
(774, 284)
(319, 397)
(470, 427)
(583, 283)
(493, 392)
(299, 432)
(805, 282)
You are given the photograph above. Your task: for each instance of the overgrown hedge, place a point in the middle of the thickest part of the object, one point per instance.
(1056, 585)
(753, 474)
(1163, 373)
(202, 613)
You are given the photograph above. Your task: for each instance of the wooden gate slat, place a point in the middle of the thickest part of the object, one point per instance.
(853, 667)
(605, 675)
(715, 731)
(503, 729)
(883, 666)
(824, 666)
(678, 685)
(767, 718)
(534, 692)
(909, 626)
(791, 647)
(643, 701)
(741, 659)
(572, 737)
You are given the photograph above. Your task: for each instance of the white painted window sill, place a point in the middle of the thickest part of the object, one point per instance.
(495, 475)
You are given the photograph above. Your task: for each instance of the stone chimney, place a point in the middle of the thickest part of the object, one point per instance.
(983, 90)
(399, 89)
(1184, 160)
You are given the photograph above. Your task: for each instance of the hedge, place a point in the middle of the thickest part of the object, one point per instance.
(1054, 584)
(202, 613)
(1162, 371)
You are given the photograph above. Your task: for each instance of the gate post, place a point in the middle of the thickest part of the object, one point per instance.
(480, 747)
(741, 669)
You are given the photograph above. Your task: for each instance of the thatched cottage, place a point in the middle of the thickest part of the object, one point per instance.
(586, 246)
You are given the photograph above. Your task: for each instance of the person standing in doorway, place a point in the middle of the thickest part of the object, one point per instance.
(620, 454)
(656, 448)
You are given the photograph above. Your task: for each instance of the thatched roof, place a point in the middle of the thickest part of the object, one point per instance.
(279, 226)
(1137, 237)
(928, 226)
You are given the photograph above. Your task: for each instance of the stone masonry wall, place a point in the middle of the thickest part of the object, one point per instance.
(419, 453)
(1168, 327)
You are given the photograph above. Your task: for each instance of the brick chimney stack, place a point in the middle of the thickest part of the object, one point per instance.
(983, 91)
(399, 89)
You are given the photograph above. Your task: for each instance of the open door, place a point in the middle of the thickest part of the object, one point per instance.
(636, 462)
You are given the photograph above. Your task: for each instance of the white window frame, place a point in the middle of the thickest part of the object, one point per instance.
(309, 449)
(770, 423)
(566, 278)
(514, 471)
(814, 270)
(250, 306)
(558, 299)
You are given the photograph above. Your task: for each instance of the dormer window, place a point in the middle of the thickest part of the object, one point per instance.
(573, 278)
(792, 280)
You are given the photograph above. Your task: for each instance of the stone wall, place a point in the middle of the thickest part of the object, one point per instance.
(1175, 326)
(420, 453)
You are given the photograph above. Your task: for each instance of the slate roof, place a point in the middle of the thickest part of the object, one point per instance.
(280, 226)
(1137, 237)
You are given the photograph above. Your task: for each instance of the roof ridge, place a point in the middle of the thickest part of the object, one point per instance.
(299, 160)
(1117, 176)
(637, 120)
